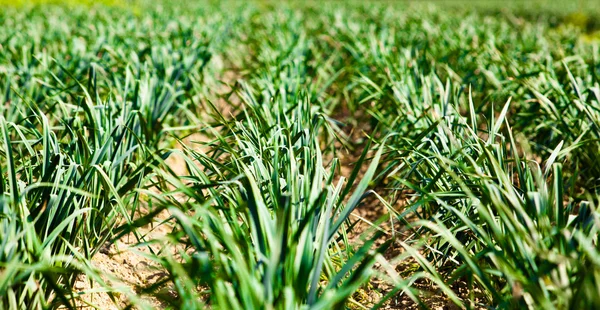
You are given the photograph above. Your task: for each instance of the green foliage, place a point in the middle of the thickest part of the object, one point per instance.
(476, 129)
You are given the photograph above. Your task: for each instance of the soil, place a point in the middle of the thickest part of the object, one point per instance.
(122, 265)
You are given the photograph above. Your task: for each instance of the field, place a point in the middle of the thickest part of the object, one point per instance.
(266, 155)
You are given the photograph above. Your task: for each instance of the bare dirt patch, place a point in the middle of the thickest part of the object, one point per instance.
(124, 266)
